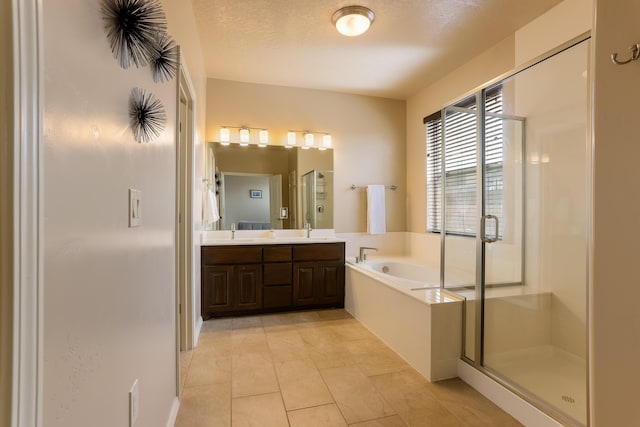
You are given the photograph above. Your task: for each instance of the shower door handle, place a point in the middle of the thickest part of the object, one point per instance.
(483, 221)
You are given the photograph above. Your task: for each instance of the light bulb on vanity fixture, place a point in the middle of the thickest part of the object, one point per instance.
(326, 142)
(353, 21)
(244, 137)
(291, 139)
(308, 140)
(224, 136)
(263, 138)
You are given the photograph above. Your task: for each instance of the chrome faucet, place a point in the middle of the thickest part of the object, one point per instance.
(233, 230)
(363, 256)
(307, 227)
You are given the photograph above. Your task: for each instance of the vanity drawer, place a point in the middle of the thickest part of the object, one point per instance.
(318, 252)
(277, 296)
(277, 274)
(231, 254)
(277, 253)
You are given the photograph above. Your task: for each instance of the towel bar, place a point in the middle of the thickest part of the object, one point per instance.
(389, 187)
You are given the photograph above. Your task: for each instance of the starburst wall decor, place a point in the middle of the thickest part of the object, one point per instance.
(147, 116)
(132, 28)
(164, 58)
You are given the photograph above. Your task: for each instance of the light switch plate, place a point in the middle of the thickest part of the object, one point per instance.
(135, 212)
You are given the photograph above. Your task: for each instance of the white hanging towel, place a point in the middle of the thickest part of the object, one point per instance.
(376, 221)
(210, 207)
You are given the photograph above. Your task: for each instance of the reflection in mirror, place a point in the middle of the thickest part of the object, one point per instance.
(262, 188)
(317, 207)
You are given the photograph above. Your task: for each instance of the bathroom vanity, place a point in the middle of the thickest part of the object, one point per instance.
(257, 277)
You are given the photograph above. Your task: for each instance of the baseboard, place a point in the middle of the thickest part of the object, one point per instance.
(196, 333)
(515, 406)
(173, 415)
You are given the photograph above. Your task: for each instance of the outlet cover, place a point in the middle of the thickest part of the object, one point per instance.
(134, 404)
(135, 212)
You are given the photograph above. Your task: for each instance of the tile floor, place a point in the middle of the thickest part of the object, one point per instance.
(315, 368)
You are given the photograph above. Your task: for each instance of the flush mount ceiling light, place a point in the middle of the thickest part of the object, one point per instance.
(353, 20)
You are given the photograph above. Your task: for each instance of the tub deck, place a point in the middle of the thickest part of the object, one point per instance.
(424, 326)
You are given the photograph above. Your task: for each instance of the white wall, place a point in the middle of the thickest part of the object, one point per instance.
(368, 135)
(614, 316)
(109, 290)
(565, 21)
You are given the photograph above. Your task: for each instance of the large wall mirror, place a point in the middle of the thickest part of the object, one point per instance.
(273, 187)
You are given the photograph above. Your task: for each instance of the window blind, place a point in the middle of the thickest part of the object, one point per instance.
(460, 167)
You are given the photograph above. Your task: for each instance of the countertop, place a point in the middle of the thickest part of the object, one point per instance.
(267, 237)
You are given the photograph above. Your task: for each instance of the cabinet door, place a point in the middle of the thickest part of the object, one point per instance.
(248, 287)
(330, 282)
(303, 283)
(217, 288)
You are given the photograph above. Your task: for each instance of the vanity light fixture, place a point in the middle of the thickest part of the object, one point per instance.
(309, 139)
(353, 20)
(244, 135)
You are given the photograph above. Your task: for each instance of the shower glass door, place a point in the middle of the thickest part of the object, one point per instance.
(514, 172)
(535, 333)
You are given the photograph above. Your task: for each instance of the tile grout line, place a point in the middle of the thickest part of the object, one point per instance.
(334, 399)
(275, 372)
(325, 384)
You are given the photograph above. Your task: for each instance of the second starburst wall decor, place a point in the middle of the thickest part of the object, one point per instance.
(137, 34)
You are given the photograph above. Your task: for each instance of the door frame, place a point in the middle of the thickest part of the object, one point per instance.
(185, 294)
(23, 313)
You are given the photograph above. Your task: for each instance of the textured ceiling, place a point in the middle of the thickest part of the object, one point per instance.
(411, 43)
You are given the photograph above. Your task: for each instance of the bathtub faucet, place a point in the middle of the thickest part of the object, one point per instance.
(363, 256)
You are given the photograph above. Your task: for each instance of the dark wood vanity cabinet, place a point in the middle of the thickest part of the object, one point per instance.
(318, 275)
(277, 276)
(231, 279)
(251, 279)
(217, 288)
(232, 287)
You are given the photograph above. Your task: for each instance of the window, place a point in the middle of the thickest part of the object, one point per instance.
(460, 166)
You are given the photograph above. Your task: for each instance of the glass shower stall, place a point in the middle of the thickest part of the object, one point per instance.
(513, 171)
(317, 198)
